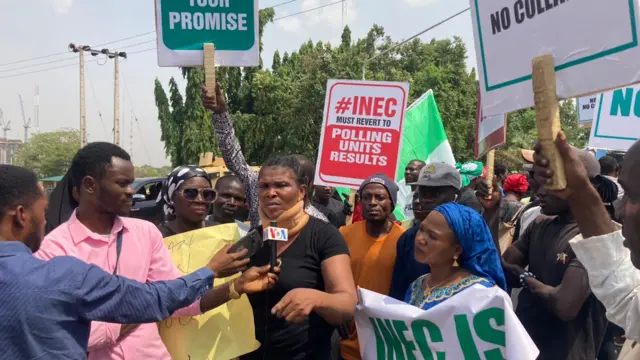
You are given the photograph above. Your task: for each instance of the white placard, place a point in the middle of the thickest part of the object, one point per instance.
(361, 131)
(475, 321)
(594, 44)
(183, 26)
(586, 106)
(616, 125)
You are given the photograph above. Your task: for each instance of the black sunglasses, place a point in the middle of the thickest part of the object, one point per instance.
(191, 194)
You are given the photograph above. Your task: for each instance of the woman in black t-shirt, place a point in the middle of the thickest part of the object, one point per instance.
(315, 291)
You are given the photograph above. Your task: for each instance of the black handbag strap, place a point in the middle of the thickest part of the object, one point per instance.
(118, 250)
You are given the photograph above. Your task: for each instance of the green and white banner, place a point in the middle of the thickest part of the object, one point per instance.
(475, 324)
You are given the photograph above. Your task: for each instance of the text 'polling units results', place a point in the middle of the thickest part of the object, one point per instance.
(594, 44)
(183, 26)
(361, 131)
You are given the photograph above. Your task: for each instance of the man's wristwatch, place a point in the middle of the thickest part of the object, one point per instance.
(233, 294)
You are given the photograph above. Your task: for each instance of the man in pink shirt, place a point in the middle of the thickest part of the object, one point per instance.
(103, 173)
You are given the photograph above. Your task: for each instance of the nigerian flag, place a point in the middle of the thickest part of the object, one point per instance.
(424, 138)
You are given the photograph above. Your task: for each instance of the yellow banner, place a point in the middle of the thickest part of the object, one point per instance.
(223, 333)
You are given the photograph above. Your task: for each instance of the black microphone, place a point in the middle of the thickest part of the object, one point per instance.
(274, 233)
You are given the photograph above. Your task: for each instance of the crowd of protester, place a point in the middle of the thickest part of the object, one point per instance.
(79, 279)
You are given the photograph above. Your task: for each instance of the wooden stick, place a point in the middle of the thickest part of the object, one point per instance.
(548, 116)
(352, 201)
(491, 156)
(210, 68)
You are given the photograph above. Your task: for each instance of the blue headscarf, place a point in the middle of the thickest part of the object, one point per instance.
(479, 254)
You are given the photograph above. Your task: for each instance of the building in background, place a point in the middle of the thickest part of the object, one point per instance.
(8, 147)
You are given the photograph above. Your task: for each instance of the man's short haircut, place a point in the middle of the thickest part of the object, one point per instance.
(417, 161)
(307, 168)
(499, 169)
(18, 186)
(608, 165)
(227, 179)
(93, 159)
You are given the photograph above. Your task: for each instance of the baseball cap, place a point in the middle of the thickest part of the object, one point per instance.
(527, 155)
(589, 161)
(439, 174)
(384, 180)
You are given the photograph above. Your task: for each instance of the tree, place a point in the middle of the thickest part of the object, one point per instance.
(287, 102)
(185, 124)
(522, 133)
(49, 154)
(150, 171)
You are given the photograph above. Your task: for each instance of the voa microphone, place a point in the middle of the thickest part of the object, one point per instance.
(275, 233)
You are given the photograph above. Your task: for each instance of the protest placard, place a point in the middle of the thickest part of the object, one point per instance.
(491, 131)
(475, 321)
(586, 106)
(184, 26)
(616, 125)
(361, 131)
(225, 332)
(596, 53)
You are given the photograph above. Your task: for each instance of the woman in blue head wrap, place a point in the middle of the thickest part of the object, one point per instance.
(457, 245)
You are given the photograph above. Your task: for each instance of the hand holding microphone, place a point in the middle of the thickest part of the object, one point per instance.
(273, 233)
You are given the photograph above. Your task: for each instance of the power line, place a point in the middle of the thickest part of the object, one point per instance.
(65, 66)
(104, 129)
(35, 58)
(120, 40)
(72, 58)
(309, 10)
(364, 65)
(127, 38)
(36, 65)
(145, 42)
(281, 4)
(133, 111)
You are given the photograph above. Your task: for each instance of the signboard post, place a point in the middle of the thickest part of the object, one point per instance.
(361, 131)
(184, 26)
(491, 131)
(616, 125)
(598, 52)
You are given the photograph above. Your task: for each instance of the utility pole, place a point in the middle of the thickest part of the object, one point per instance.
(116, 92)
(116, 104)
(83, 111)
(36, 109)
(131, 136)
(80, 49)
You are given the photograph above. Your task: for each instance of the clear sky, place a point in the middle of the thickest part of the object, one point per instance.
(34, 28)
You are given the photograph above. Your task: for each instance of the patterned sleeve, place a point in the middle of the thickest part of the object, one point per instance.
(235, 161)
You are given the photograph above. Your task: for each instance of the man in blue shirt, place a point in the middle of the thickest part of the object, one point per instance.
(47, 307)
(437, 184)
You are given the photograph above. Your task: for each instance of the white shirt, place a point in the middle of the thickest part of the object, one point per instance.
(620, 189)
(405, 200)
(527, 218)
(613, 278)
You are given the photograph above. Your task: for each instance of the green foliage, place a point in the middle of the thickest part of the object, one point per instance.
(279, 110)
(186, 125)
(150, 171)
(522, 133)
(49, 154)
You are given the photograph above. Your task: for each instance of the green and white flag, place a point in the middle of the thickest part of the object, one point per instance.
(424, 138)
(477, 323)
